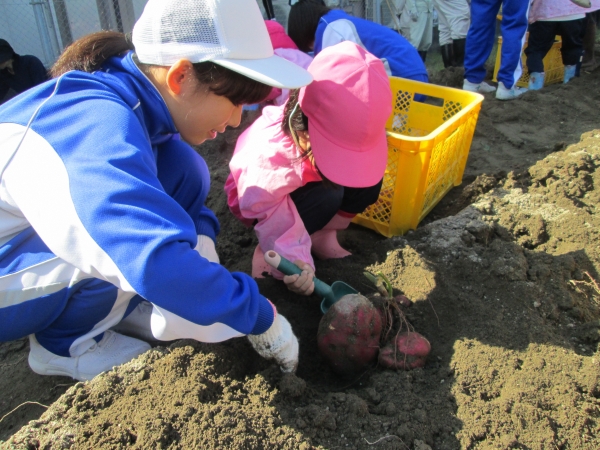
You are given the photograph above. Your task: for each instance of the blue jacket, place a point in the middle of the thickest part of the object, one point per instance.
(104, 209)
(398, 55)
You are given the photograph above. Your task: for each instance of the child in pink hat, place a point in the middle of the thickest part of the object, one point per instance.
(302, 171)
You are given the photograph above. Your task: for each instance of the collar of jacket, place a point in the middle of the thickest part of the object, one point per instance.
(142, 96)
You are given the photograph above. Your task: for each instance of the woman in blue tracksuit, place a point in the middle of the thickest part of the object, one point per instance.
(313, 27)
(102, 213)
(480, 41)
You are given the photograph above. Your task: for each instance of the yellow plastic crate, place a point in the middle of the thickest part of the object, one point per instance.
(553, 65)
(428, 145)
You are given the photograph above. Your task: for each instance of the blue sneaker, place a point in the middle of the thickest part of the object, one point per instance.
(569, 73)
(536, 80)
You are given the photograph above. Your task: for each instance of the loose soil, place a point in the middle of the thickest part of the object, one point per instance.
(503, 279)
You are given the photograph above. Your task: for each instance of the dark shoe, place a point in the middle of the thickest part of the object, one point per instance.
(459, 52)
(447, 55)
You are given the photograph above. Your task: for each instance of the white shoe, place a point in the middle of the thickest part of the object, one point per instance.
(482, 88)
(113, 350)
(137, 323)
(508, 94)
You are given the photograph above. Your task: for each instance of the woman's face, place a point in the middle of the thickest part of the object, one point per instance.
(198, 114)
(201, 115)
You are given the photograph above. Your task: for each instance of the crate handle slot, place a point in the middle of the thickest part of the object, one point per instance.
(431, 100)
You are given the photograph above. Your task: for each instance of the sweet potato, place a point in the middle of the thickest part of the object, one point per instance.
(349, 334)
(406, 351)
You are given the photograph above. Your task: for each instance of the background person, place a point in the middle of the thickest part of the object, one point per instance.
(454, 18)
(314, 27)
(588, 61)
(550, 18)
(301, 172)
(18, 72)
(480, 41)
(416, 24)
(102, 212)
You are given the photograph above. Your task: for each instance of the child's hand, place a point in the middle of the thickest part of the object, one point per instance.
(302, 284)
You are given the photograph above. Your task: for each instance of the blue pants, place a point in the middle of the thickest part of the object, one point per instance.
(317, 203)
(480, 39)
(69, 310)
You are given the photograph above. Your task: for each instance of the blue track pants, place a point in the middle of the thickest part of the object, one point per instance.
(480, 39)
(69, 310)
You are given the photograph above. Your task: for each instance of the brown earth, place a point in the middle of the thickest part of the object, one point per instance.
(502, 275)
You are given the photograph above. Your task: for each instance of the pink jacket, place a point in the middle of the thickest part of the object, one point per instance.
(548, 9)
(265, 169)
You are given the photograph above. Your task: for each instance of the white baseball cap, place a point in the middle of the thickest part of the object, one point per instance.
(231, 33)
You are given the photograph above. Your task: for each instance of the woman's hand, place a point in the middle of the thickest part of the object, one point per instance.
(302, 284)
(279, 343)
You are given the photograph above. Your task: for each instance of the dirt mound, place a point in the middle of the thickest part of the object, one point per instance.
(504, 289)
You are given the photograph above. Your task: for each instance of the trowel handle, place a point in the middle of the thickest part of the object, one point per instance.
(287, 267)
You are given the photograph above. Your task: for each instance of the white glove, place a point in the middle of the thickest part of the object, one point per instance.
(206, 248)
(278, 343)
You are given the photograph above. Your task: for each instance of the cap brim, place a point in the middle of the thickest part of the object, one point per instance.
(349, 168)
(273, 71)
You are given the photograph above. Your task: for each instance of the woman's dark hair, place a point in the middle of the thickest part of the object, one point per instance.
(295, 120)
(303, 21)
(90, 52)
(240, 90)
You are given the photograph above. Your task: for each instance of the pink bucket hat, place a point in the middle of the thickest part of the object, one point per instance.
(347, 106)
